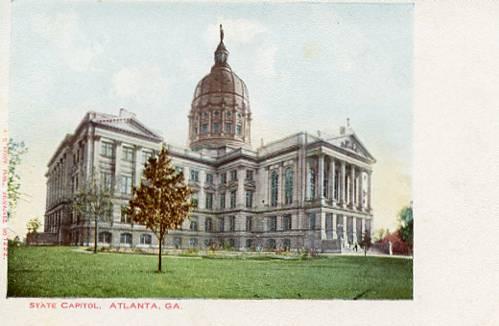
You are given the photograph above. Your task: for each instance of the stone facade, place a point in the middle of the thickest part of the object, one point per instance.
(302, 191)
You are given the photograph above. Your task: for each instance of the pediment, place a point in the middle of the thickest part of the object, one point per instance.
(351, 143)
(131, 125)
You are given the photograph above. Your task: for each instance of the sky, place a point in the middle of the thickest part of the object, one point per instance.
(308, 67)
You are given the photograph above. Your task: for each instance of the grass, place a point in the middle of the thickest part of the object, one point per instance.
(65, 272)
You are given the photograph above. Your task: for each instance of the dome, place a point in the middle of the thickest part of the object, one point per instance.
(220, 111)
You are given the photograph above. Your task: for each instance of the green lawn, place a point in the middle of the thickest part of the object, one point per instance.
(65, 272)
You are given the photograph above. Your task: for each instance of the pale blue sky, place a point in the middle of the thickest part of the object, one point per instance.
(307, 67)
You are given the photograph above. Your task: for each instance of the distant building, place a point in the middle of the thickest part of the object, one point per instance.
(302, 191)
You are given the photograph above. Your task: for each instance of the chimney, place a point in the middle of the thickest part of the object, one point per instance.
(342, 130)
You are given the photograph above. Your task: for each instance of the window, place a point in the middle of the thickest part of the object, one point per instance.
(216, 113)
(126, 184)
(230, 243)
(272, 223)
(177, 242)
(286, 244)
(194, 199)
(221, 224)
(274, 188)
(105, 237)
(228, 114)
(194, 175)
(204, 128)
(208, 225)
(311, 183)
(311, 221)
(126, 238)
(233, 175)
(288, 186)
(205, 115)
(193, 242)
(249, 243)
(146, 155)
(209, 200)
(249, 223)
(107, 149)
(238, 129)
(125, 218)
(271, 244)
(228, 127)
(209, 178)
(249, 199)
(233, 199)
(145, 239)
(107, 180)
(222, 200)
(128, 154)
(232, 223)
(286, 222)
(215, 127)
(223, 178)
(194, 224)
(249, 175)
(179, 169)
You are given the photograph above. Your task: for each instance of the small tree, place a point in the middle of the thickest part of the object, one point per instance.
(161, 202)
(366, 242)
(406, 229)
(33, 225)
(15, 151)
(93, 201)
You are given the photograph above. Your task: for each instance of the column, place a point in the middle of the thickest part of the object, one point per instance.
(369, 190)
(321, 177)
(361, 190)
(334, 221)
(354, 229)
(308, 195)
(117, 167)
(88, 156)
(345, 230)
(202, 193)
(363, 221)
(343, 184)
(280, 188)
(138, 167)
(96, 153)
(352, 186)
(322, 215)
(332, 169)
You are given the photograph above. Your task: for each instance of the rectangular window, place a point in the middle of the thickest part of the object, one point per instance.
(232, 223)
(222, 200)
(127, 154)
(223, 178)
(107, 180)
(146, 155)
(193, 242)
(204, 128)
(233, 175)
(249, 223)
(126, 184)
(272, 223)
(233, 199)
(221, 224)
(215, 127)
(107, 149)
(125, 218)
(286, 222)
(194, 199)
(194, 224)
(209, 200)
(179, 169)
(194, 175)
(228, 128)
(249, 199)
(311, 221)
(249, 175)
(238, 129)
(209, 178)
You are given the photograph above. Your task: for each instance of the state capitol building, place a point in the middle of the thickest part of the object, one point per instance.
(301, 191)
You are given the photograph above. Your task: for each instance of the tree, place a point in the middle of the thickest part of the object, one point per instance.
(93, 201)
(406, 228)
(366, 242)
(161, 202)
(33, 225)
(15, 151)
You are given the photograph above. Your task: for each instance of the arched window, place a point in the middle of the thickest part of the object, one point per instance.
(271, 244)
(286, 244)
(274, 188)
(145, 239)
(288, 186)
(105, 237)
(126, 238)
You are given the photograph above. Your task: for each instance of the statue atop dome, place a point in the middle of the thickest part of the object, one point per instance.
(221, 33)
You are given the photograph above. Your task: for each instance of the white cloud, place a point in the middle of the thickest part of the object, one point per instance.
(65, 34)
(142, 84)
